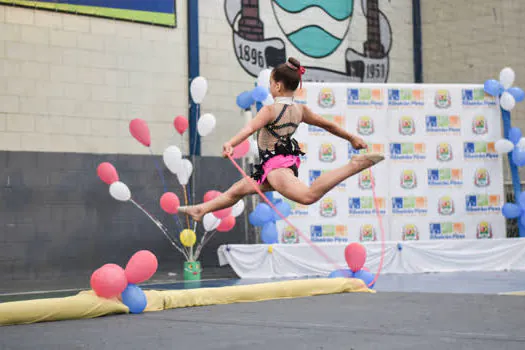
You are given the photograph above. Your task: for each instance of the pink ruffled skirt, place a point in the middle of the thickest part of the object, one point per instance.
(277, 162)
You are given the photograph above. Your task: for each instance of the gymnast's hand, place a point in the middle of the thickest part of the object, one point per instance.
(358, 143)
(227, 150)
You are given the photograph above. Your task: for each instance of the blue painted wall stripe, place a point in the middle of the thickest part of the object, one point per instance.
(161, 6)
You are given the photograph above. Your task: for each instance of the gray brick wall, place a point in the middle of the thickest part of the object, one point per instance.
(59, 221)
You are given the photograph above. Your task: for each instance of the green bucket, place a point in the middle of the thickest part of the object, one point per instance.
(192, 270)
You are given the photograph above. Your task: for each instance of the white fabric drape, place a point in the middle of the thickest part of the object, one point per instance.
(301, 260)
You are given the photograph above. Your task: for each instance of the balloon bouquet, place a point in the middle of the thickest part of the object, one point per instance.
(355, 256)
(112, 281)
(513, 142)
(222, 221)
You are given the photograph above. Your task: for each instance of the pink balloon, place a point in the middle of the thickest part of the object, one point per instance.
(107, 173)
(226, 224)
(221, 214)
(169, 202)
(355, 256)
(181, 124)
(140, 131)
(141, 267)
(109, 281)
(241, 149)
(208, 196)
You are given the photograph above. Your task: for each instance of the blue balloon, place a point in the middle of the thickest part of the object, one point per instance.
(264, 212)
(511, 210)
(269, 234)
(518, 156)
(492, 87)
(134, 298)
(341, 273)
(517, 93)
(514, 135)
(365, 276)
(283, 207)
(245, 100)
(260, 93)
(255, 220)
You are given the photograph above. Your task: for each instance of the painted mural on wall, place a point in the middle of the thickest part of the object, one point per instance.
(298, 22)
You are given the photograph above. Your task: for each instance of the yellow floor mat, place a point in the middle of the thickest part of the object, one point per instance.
(87, 304)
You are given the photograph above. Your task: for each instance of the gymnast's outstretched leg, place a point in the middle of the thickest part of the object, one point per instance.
(227, 199)
(284, 181)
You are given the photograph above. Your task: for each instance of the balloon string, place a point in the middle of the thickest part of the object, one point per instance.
(257, 189)
(175, 217)
(186, 203)
(381, 227)
(160, 226)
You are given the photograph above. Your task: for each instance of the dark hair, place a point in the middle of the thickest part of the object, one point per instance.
(288, 74)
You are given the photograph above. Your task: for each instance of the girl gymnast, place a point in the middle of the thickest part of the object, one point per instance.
(279, 152)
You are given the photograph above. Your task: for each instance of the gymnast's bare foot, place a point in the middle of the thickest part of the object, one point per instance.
(194, 211)
(364, 161)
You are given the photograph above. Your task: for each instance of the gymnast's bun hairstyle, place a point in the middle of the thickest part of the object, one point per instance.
(289, 74)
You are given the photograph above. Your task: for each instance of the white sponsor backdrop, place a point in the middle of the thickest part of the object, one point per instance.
(441, 179)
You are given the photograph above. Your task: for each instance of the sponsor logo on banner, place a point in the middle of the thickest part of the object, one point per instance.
(326, 98)
(304, 147)
(408, 179)
(444, 152)
(328, 233)
(407, 126)
(484, 230)
(410, 232)
(447, 230)
(366, 206)
(446, 206)
(480, 150)
(337, 119)
(445, 177)
(372, 147)
(364, 180)
(406, 97)
(365, 125)
(407, 151)
(327, 153)
(482, 203)
(289, 235)
(314, 174)
(410, 205)
(367, 233)
(479, 125)
(482, 178)
(297, 209)
(443, 124)
(477, 97)
(442, 99)
(328, 207)
(364, 97)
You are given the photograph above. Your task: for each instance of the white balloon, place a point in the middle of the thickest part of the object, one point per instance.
(506, 77)
(507, 101)
(520, 144)
(198, 89)
(172, 157)
(120, 191)
(206, 124)
(504, 146)
(185, 171)
(269, 100)
(210, 222)
(238, 208)
(264, 78)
